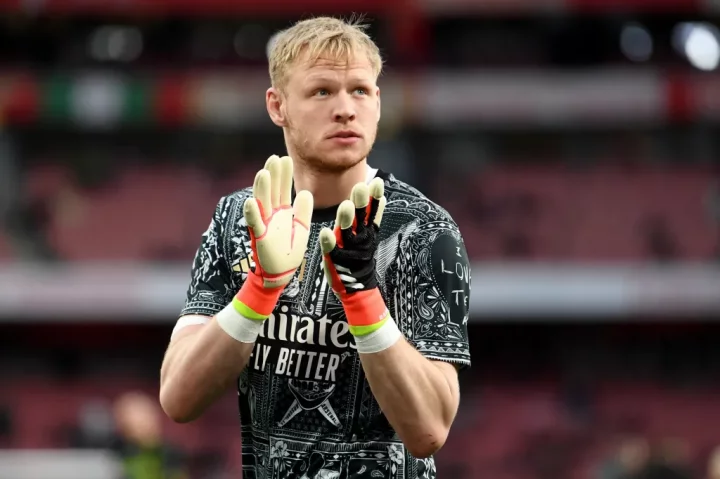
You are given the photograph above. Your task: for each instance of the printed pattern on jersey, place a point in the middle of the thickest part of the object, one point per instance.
(306, 408)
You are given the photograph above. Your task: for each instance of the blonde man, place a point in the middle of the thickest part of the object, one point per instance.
(334, 294)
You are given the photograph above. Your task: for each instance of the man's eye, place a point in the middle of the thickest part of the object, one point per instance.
(361, 91)
(321, 92)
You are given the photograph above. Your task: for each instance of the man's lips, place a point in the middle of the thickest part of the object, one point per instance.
(345, 134)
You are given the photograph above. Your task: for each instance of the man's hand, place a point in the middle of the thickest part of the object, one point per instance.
(349, 261)
(350, 250)
(278, 237)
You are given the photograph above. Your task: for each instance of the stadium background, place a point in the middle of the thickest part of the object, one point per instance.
(574, 141)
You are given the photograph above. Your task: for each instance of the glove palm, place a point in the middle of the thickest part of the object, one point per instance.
(278, 235)
(349, 257)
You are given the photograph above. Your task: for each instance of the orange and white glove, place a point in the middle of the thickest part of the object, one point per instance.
(278, 237)
(349, 262)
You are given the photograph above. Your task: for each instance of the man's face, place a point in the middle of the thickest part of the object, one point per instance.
(332, 111)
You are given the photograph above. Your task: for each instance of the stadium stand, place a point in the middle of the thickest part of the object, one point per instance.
(513, 431)
(528, 213)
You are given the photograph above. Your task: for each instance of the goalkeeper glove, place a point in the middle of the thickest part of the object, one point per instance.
(349, 263)
(278, 239)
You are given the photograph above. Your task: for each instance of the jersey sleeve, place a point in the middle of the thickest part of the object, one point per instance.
(211, 285)
(432, 296)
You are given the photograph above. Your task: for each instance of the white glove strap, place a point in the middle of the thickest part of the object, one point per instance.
(379, 340)
(238, 326)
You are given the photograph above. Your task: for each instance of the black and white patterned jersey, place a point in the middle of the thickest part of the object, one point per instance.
(306, 408)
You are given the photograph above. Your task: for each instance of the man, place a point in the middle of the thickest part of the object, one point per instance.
(340, 310)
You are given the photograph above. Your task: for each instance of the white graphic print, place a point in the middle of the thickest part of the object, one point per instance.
(306, 408)
(309, 396)
(347, 278)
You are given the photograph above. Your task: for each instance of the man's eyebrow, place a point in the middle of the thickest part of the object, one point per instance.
(311, 81)
(319, 77)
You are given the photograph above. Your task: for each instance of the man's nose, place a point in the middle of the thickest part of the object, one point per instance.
(344, 109)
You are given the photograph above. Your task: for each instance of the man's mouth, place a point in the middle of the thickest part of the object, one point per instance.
(345, 134)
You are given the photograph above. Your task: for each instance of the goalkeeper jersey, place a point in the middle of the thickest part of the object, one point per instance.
(306, 408)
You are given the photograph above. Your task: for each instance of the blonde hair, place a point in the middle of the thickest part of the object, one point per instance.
(321, 37)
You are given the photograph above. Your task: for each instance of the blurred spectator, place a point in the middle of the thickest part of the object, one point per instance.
(144, 452)
(671, 461)
(630, 460)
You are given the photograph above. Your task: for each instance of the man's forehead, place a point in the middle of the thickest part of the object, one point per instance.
(356, 66)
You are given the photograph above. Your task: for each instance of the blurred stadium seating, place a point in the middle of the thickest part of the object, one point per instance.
(611, 217)
(576, 143)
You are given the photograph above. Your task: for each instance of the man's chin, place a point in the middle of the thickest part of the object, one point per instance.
(337, 163)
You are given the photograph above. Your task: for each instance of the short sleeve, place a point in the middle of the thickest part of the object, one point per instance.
(433, 294)
(211, 286)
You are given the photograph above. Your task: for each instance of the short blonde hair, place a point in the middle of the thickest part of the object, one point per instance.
(321, 37)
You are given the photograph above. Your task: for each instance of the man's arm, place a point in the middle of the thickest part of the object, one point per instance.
(418, 396)
(415, 384)
(191, 376)
(203, 360)
(200, 364)
(416, 389)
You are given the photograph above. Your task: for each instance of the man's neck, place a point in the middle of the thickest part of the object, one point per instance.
(328, 188)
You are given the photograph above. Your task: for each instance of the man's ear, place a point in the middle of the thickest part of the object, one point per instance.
(275, 103)
(379, 103)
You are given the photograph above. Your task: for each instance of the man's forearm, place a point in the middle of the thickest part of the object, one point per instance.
(198, 369)
(415, 395)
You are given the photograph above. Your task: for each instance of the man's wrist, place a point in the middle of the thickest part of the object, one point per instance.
(237, 325)
(369, 321)
(364, 310)
(382, 338)
(255, 301)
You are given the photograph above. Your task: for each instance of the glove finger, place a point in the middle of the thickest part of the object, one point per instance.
(274, 166)
(359, 195)
(271, 159)
(377, 193)
(332, 277)
(327, 240)
(299, 241)
(253, 217)
(380, 210)
(303, 208)
(344, 221)
(286, 179)
(328, 275)
(261, 192)
(345, 215)
(360, 198)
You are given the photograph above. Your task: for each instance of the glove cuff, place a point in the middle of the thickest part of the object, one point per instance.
(237, 325)
(365, 310)
(379, 340)
(255, 301)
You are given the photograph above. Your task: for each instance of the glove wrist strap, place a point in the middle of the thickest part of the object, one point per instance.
(365, 311)
(255, 301)
(370, 321)
(380, 339)
(238, 326)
